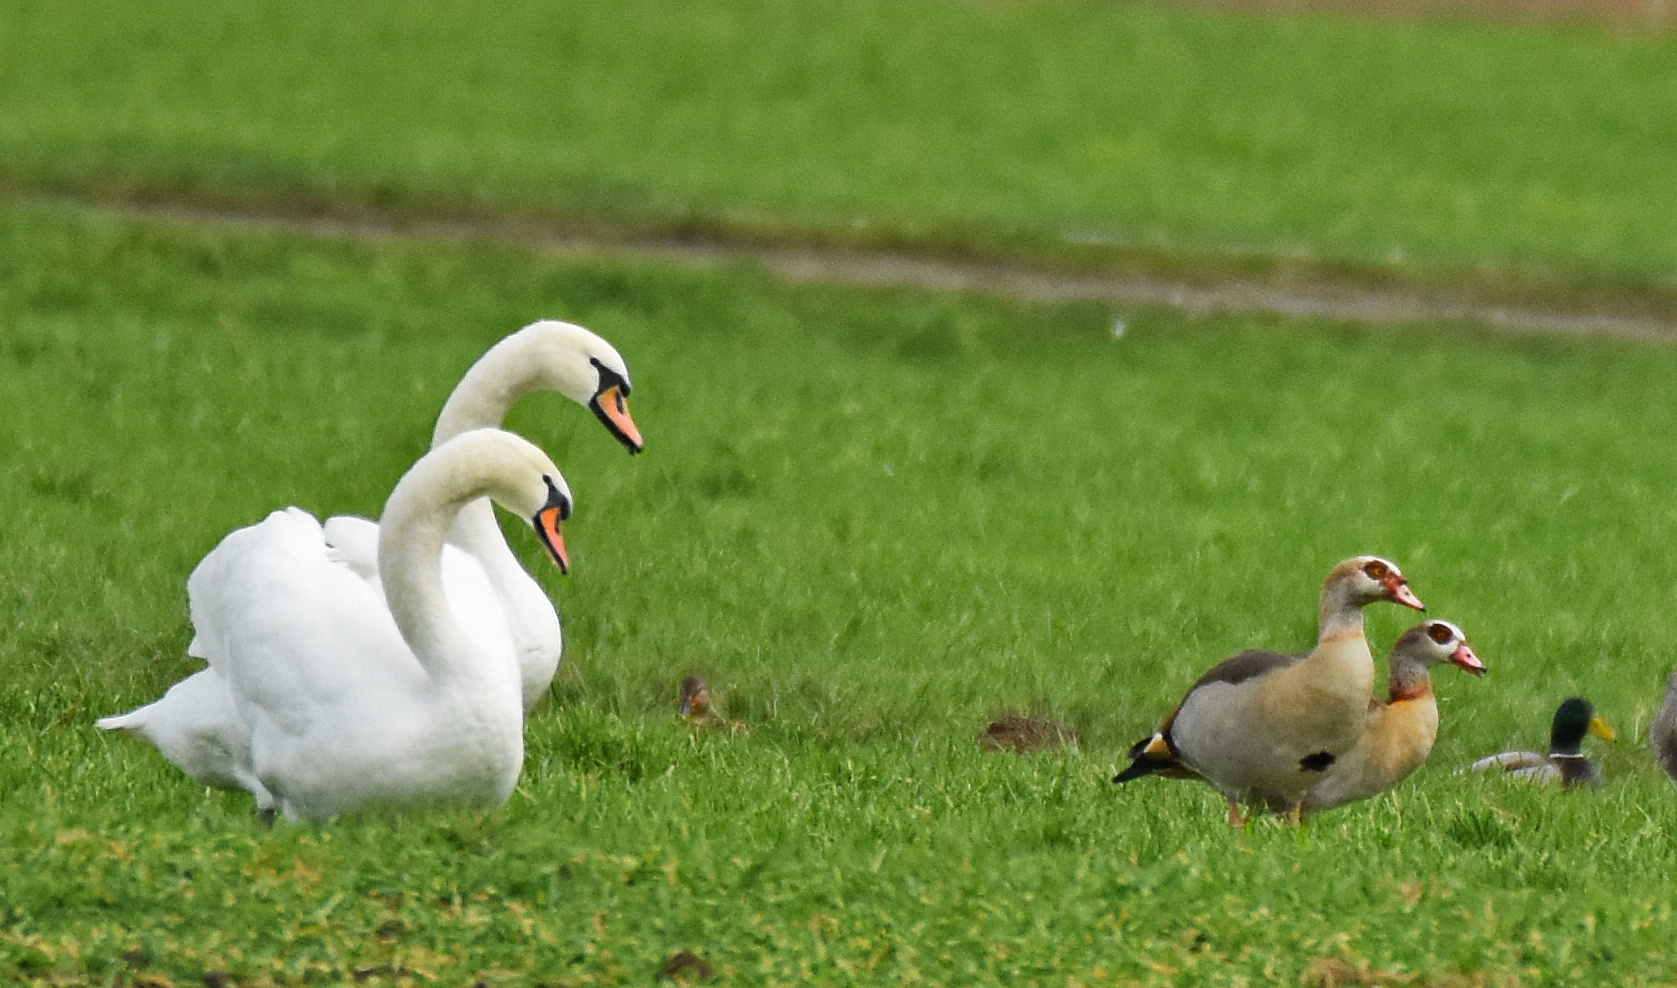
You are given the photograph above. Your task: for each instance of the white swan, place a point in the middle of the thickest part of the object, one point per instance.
(351, 699)
(196, 724)
(543, 356)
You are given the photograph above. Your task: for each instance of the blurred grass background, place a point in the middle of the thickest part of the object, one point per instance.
(1448, 151)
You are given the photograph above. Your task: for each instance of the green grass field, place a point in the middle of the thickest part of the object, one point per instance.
(1442, 151)
(875, 519)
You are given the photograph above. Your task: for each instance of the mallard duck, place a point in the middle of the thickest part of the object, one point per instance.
(1566, 761)
(1662, 736)
(1398, 734)
(1263, 726)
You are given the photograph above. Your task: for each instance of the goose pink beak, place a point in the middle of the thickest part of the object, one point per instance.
(1397, 589)
(1464, 657)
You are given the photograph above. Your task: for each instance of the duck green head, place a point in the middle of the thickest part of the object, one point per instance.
(1573, 719)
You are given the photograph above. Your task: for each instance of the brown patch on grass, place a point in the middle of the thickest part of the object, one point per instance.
(684, 966)
(1023, 735)
(1331, 972)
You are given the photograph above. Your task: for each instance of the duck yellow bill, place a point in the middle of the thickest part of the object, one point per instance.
(1599, 728)
(550, 526)
(613, 409)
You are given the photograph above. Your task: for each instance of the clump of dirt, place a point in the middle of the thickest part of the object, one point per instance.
(1023, 735)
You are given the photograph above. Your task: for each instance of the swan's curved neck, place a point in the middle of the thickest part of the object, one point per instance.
(487, 393)
(543, 356)
(507, 372)
(412, 530)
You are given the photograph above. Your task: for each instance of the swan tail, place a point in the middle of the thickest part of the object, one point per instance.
(117, 722)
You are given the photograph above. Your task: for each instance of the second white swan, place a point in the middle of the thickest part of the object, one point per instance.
(351, 698)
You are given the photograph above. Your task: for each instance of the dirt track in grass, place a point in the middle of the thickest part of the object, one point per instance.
(1204, 288)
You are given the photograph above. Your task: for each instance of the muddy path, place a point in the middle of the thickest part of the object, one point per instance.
(1313, 296)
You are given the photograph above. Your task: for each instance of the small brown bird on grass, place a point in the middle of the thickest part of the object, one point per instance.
(700, 712)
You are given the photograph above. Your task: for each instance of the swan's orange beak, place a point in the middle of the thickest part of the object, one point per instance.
(612, 406)
(549, 524)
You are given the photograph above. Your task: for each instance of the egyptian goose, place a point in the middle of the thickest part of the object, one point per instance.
(1566, 761)
(1398, 735)
(1263, 726)
(1662, 736)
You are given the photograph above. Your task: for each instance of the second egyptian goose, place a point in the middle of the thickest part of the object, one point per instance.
(1566, 762)
(1662, 736)
(1398, 735)
(1263, 726)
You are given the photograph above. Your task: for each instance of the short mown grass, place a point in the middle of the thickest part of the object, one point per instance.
(874, 519)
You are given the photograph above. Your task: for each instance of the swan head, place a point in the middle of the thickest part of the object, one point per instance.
(506, 468)
(544, 356)
(589, 371)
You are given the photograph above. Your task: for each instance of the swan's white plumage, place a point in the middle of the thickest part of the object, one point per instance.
(340, 712)
(196, 725)
(352, 543)
(348, 697)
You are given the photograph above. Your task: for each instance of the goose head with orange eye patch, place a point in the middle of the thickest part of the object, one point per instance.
(1393, 584)
(1452, 646)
